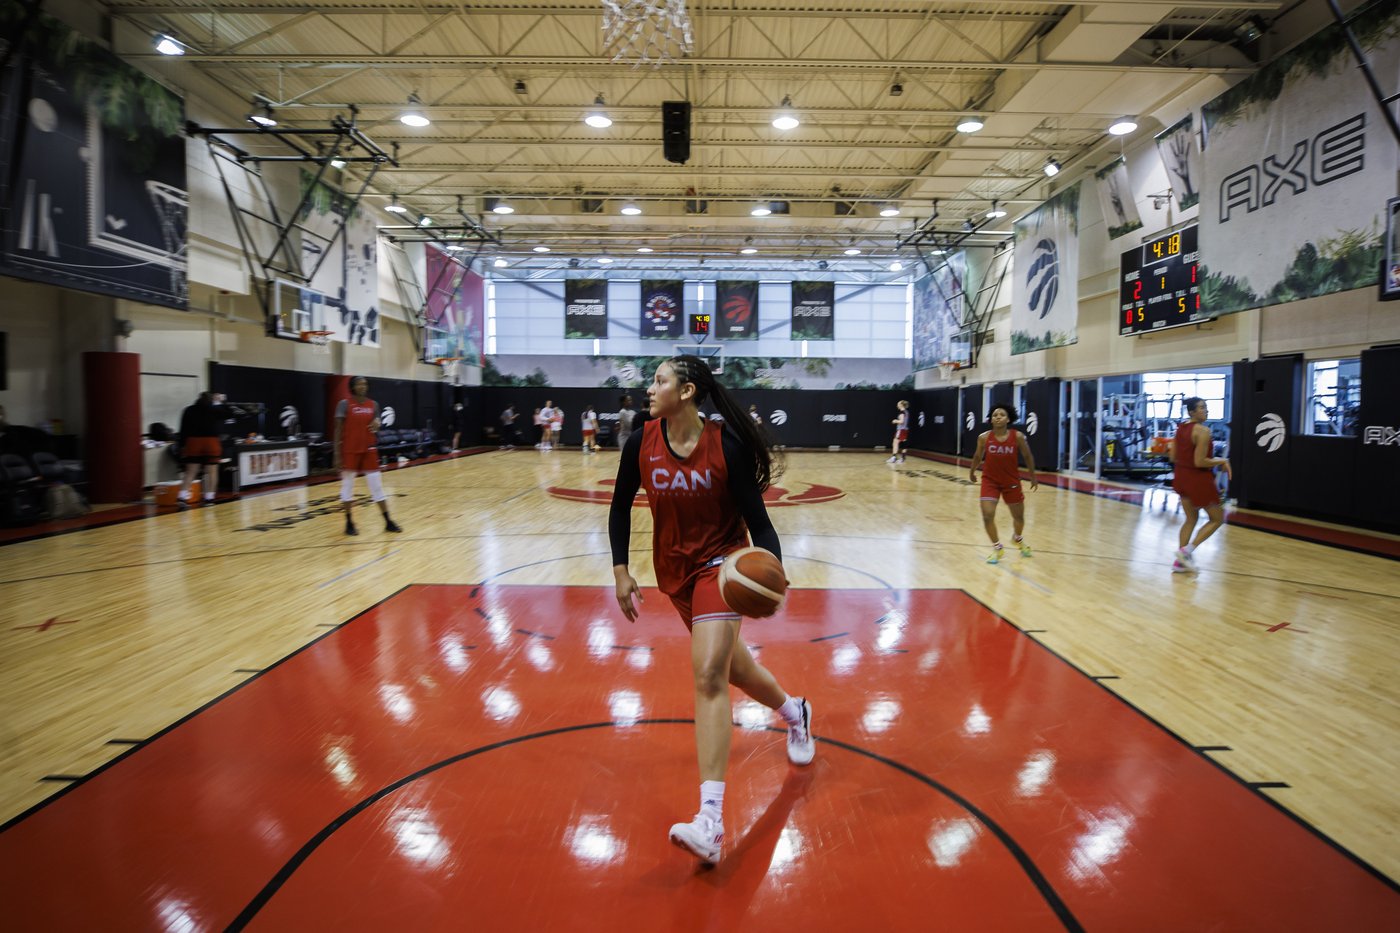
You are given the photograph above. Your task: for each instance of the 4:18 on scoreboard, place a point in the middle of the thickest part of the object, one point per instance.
(1160, 286)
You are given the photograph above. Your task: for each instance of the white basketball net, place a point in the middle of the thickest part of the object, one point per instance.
(947, 368)
(172, 210)
(648, 31)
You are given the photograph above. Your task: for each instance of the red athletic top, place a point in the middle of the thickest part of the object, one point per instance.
(693, 514)
(999, 465)
(356, 415)
(1184, 447)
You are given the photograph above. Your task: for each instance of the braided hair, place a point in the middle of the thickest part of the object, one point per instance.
(767, 465)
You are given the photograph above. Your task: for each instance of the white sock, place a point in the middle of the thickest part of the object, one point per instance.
(1017, 539)
(1186, 550)
(997, 545)
(791, 711)
(712, 800)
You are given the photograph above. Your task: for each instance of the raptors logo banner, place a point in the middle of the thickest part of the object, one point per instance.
(663, 308)
(1045, 290)
(736, 310)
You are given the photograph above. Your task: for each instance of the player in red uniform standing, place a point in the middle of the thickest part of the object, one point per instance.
(1193, 480)
(357, 451)
(999, 447)
(704, 484)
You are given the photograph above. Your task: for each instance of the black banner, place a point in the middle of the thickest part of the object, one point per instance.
(736, 310)
(973, 423)
(93, 194)
(585, 308)
(813, 311)
(663, 308)
(1040, 420)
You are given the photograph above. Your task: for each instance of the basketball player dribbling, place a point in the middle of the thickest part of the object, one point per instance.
(1001, 479)
(357, 451)
(704, 484)
(1193, 480)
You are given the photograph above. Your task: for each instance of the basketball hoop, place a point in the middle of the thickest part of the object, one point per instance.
(947, 368)
(172, 210)
(450, 366)
(649, 31)
(320, 340)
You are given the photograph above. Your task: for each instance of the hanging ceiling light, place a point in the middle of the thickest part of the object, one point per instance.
(761, 210)
(604, 260)
(889, 210)
(896, 266)
(630, 209)
(937, 251)
(425, 221)
(970, 124)
(541, 249)
(413, 116)
(262, 114)
(1122, 126)
(394, 207)
(499, 263)
(851, 251)
(996, 211)
(645, 249)
(455, 247)
(501, 207)
(168, 45)
(785, 118)
(598, 117)
(1052, 167)
(337, 163)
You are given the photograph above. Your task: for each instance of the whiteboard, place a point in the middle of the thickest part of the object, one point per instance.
(165, 396)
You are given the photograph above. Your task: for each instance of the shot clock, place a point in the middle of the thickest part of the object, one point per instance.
(1160, 286)
(699, 323)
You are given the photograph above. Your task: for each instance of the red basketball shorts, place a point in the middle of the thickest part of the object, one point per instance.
(1196, 485)
(1011, 492)
(699, 599)
(901, 435)
(360, 461)
(202, 450)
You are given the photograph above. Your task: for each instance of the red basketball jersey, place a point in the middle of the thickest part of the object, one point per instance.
(1184, 451)
(1000, 463)
(355, 435)
(693, 516)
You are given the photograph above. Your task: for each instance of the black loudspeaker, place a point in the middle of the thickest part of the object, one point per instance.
(675, 130)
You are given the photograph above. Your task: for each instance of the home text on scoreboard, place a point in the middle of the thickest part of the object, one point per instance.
(1160, 286)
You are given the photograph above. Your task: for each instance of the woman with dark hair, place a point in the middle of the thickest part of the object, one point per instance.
(704, 484)
(356, 451)
(1193, 480)
(1001, 479)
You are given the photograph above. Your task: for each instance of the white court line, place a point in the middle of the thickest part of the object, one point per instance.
(357, 569)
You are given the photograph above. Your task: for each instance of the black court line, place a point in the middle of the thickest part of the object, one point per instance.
(525, 631)
(247, 670)
(126, 741)
(633, 648)
(1260, 785)
(1105, 677)
(284, 874)
(79, 781)
(1033, 631)
(1212, 748)
(75, 778)
(1336, 846)
(828, 637)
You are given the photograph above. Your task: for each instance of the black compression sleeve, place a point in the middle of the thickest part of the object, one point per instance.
(629, 480)
(747, 497)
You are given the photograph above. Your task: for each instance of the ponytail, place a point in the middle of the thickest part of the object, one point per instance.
(767, 465)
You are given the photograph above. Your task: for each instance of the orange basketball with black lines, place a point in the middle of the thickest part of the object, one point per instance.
(752, 582)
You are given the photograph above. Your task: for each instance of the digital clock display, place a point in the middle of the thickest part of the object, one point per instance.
(1160, 286)
(699, 323)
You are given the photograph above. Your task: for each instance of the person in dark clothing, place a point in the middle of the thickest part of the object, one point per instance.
(509, 432)
(459, 424)
(200, 446)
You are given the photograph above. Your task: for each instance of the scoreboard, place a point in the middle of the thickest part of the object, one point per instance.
(1160, 286)
(699, 324)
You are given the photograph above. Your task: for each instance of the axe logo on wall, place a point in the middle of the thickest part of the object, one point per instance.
(778, 417)
(1381, 435)
(970, 421)
(386, 417)
(1032, 423)
(1271, 431)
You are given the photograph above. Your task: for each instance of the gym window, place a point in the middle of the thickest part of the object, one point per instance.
(1167, 391)
(1332, 397)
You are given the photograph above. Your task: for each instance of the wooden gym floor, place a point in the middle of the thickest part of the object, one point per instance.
(235, 716)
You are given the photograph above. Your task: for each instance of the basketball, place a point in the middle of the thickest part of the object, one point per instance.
(752, 582)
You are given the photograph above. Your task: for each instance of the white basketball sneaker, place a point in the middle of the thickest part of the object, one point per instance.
(702, 837)
(801, 747)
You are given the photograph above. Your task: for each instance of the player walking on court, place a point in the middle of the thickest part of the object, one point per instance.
(999, 447)
(357, 451)
(1195, 483)
(704, 484)
(901, 433)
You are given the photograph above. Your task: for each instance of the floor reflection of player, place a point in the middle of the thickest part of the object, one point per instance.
(704, 484)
